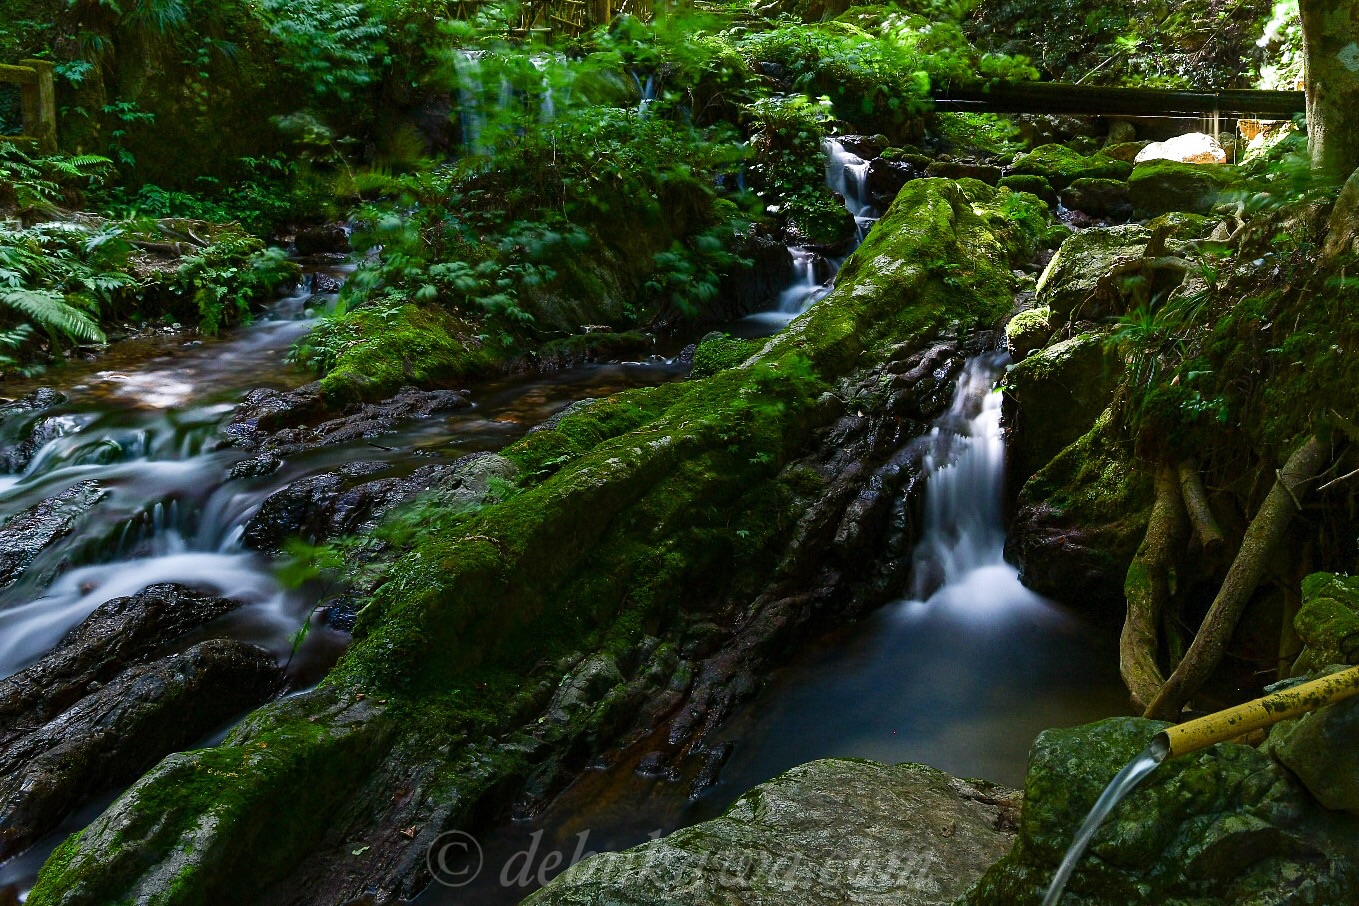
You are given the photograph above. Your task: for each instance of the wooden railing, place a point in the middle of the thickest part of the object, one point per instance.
(1057, 97)
(37, 87)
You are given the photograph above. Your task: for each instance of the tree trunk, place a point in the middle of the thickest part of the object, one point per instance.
(1148, 588)
(1330, 31)
(1262, 537)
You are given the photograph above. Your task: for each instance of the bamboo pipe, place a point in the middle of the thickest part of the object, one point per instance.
(1223, 726)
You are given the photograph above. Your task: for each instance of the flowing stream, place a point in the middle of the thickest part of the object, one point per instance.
(143, 423)
(960, 675)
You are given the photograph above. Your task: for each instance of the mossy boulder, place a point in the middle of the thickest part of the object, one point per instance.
(1159, 186)
(837, 832)
(1079, 520)
(1069, 284)
(1027, 331)
(1061, 166)
(1034, 185)
(1322, 747)
(1328, 622)
(371, 352)
(722, 351)
(1107, 198)
(627, 512)
(1054, 396)
(1124, 151)
(1228, 825)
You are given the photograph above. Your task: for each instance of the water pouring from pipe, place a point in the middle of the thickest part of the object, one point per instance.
(1193, 736)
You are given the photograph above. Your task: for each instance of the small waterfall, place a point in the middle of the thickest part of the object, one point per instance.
(1118, 789)
(958, 566)
(814, 272)
(964, 459)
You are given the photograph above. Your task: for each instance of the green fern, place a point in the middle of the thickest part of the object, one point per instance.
(49, 310)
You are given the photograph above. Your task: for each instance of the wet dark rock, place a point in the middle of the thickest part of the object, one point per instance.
(1104, 198)
(112, 735)
(830, 832)
(342, 613)
(885, 178)
(29, 533)
(257, 466)
(923, 385)
(865, 146)
(755, 288)
(324, 285)
(370, 420)
(270, 410)
(332, 237)
(340, 503)
(120, 633)
(311, 508)
(24, 429)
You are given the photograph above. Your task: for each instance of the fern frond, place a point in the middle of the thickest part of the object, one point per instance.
(49, 310)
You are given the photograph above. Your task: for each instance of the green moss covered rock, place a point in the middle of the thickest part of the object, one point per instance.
(1034, 185)
(1061, 166)
(1080, 519)
(1228, 825)
(1054, 396)
(720, 352)
(1027, 331)
(371, 352)
(1159, 186)
(1328, 622)
(1099, 198)
(1069, 284)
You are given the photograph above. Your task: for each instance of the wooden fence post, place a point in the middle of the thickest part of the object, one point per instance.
(40, 105)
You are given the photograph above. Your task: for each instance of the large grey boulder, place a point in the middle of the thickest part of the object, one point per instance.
(837, 832)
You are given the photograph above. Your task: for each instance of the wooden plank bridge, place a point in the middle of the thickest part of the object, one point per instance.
(1089, 100)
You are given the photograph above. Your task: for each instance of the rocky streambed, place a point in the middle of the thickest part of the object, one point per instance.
(569, 591)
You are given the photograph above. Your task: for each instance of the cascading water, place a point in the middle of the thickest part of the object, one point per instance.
(962, 543)
(889, 688)
(814, 271)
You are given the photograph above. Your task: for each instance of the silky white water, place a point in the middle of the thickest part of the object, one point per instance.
(813, 271)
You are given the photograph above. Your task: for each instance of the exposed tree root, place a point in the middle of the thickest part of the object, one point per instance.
(1148, 588)
(1200, 511)
(1262, 537)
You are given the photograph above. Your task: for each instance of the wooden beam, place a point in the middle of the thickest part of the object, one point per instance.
(1059, 97)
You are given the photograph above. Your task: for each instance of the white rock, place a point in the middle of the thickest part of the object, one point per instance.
(1190, 148)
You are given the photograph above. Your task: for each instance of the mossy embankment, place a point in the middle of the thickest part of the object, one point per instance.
(631, 514)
